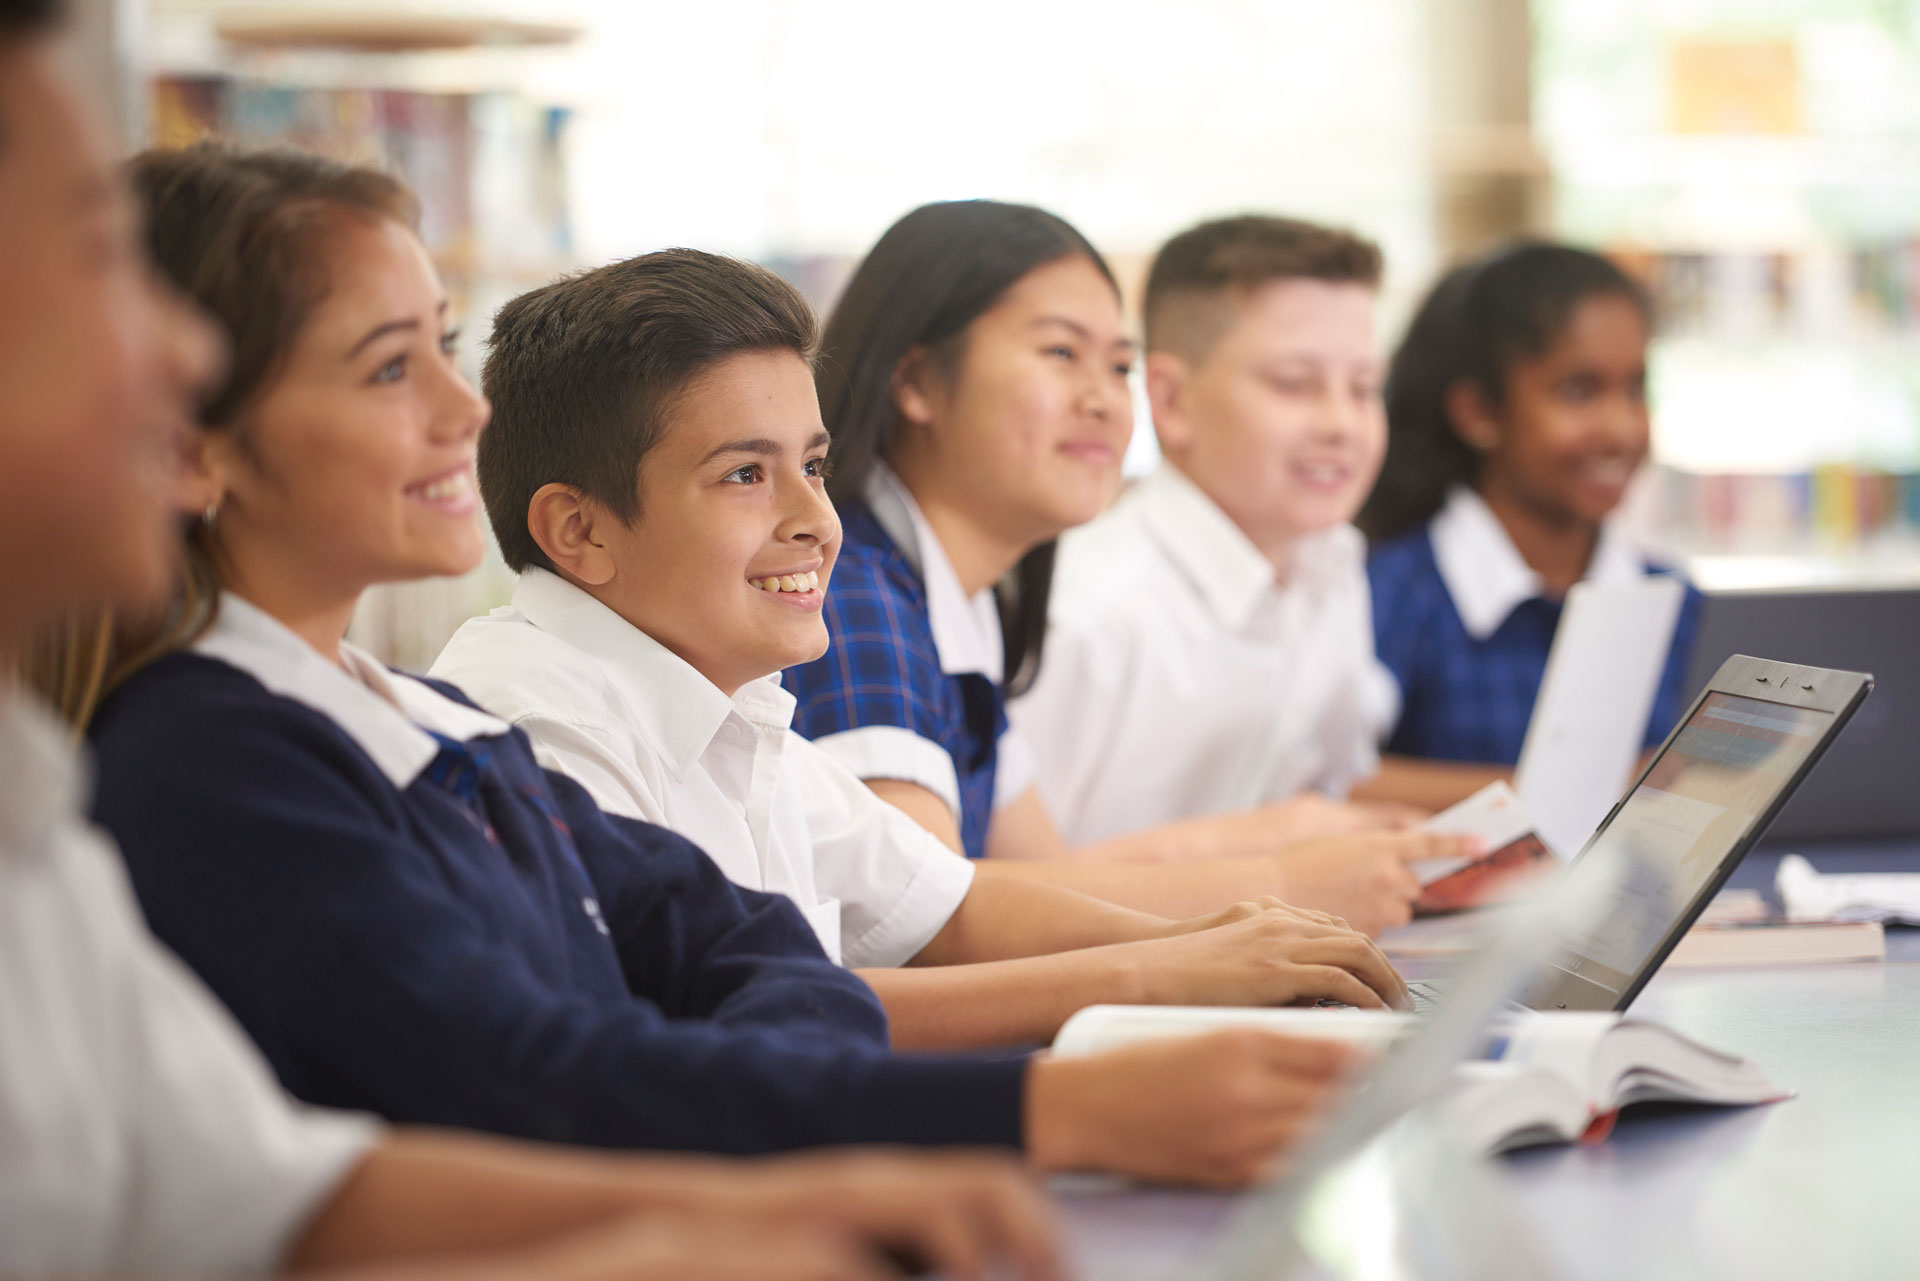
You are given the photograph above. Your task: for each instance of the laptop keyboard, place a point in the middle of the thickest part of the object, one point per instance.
(1426, 996)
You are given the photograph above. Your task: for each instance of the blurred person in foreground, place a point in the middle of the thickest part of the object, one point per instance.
(139, 1131)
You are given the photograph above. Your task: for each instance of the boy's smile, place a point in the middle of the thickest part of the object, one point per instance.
(796, 587)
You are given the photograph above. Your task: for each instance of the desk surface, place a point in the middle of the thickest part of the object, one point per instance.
(1822, 1185)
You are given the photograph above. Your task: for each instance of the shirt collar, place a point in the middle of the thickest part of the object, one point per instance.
(392, 716)
(44, 779)
(1485, 573)
(1205, 544)
(966, 629)
(677, 710)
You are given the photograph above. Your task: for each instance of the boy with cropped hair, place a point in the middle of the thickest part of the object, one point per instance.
(1210, 650)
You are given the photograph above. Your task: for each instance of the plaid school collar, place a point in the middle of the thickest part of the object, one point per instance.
(966, 629)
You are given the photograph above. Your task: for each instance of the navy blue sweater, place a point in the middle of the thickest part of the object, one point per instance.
(514, 961)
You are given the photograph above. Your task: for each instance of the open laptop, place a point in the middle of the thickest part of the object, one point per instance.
(1864, 787)
(1590, 717)
(1707, 797)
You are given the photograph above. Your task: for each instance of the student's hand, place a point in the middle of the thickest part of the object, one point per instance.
(958, 1213)
(1311, 814)
(1364, 878)
(1216, 1109)
(1266, 953)
(672, 1246)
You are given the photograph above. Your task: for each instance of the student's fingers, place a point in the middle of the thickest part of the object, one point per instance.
(1332, 983)
(1302, 1058)
(1348, 948)
(1412, 847)
(949, 1243)
(1005, 1221)
(1394, 816)
(1358, 957)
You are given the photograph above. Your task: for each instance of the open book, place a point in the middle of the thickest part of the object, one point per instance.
(1543, 1077)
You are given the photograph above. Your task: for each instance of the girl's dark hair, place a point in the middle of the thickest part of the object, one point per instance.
(243, 235)
(1479, 321)
(930, 277)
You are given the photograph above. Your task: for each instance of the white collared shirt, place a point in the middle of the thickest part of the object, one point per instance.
(968, 638)
(387, 713)
(1181, 679)
(649, 737)
(1485, 573)
(140, 1131)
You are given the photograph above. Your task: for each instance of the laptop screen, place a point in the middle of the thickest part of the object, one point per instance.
(1728, 763)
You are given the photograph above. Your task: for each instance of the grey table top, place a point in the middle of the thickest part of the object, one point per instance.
(1826, 1184)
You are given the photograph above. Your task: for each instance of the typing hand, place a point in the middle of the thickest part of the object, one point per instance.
(676, 1246)
(1267, 952)
(1217, 1109)
(1363, 878)
(960, 1214)
(1311, 814)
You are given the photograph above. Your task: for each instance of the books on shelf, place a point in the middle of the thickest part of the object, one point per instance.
(1542, 1077)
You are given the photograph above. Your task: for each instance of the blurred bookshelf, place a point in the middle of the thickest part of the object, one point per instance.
(1758, 168)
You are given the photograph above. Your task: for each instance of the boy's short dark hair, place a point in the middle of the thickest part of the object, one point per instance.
(1200, 275)
(583, 372)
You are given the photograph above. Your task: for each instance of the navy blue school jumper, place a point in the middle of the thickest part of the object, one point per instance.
(485, 948)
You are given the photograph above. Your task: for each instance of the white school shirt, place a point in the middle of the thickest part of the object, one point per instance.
(140, 1131)
(968, 639)
(1487, 576)
(1180, 679)
(650, 738)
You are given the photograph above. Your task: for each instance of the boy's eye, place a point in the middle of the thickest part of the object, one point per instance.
(746, 475)
(1124, 369)
(817, 468)
(450, 341)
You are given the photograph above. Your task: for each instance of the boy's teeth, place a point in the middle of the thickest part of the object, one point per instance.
(807, 582)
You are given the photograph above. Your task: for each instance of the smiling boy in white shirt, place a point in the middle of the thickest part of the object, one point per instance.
(1210, 649)
(655, 471)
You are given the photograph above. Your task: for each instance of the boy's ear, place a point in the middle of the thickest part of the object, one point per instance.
(1166, 376)
(563, 522)
(1470, 416)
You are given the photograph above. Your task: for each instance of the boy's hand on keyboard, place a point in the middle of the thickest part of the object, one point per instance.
(1265, 953)
(1364, 878)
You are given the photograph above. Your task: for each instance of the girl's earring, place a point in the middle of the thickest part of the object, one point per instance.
(210, 515)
